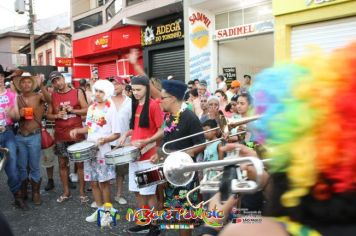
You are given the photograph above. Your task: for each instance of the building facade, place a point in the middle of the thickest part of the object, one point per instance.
(327, 24)
(10, 43)
(104, 32)
(226, 37)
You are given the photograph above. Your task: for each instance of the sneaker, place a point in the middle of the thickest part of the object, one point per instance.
(154, 231)
(92, 217)
(139, 229)
(121, 200)
(93, 205)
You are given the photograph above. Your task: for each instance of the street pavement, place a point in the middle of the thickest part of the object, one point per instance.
(62, 219)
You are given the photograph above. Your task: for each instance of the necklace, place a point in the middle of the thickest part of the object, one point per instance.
(171, 122)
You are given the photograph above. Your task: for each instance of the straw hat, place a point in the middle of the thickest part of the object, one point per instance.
(28, 76)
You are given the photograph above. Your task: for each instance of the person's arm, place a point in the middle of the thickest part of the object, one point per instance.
(108, 139)
(74, 132)
(220, 152)
(13, 112)
(51, 116)
(83, 105)
(133, 56)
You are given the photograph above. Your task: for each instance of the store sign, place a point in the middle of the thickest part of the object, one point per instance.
(309, 2)
(244, 30)
(64, 62)
(164, 32)
(102, 41)
(229, 73)
(201, 47)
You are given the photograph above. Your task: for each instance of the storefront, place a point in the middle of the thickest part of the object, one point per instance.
(163, 47)
(245, 41)
(105, 55)
(328, 24)
(229, 38)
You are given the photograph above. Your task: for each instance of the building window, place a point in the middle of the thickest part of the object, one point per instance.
(262, 12)
(62, 50)
(88, 22)
(48, 57)
(102, 2)
(40, 59)
(132, 2)
(113, 9)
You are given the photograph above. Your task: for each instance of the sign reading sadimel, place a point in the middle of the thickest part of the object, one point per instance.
(244, 30)
(64, 62)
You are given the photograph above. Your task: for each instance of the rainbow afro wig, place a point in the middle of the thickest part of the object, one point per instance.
(309, 121)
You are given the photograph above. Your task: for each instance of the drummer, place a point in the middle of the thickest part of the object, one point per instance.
(103, 127)
(146, 120)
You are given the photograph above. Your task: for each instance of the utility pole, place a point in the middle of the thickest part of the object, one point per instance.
(32, 33)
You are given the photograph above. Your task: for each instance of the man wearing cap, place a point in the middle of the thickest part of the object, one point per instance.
(66, 109)
(123, 107)
(8, 113)
(28, 138)
(179, 122)
(233, 90)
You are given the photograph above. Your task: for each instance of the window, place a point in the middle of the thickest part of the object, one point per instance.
(40, 59)
(113, 9)
(88, 22)
(222, 21)
(48, 57)
(132, 2)
(62, 50)
(245, 16)
(102, 2)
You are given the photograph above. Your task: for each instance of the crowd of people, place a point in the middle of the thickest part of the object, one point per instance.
(299, 187)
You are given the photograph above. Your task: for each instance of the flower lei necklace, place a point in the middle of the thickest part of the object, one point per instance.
(171, 125)
(101, 122)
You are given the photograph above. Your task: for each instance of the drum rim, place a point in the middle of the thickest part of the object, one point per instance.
(156, 167)
(83, 149)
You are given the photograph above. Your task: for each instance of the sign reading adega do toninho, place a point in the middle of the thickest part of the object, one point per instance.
(165, 30)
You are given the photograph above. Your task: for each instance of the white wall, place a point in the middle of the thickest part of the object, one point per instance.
(249, 55)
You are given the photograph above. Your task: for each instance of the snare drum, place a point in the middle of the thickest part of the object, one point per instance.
(82, 151)
(151, 176)
(122, 156)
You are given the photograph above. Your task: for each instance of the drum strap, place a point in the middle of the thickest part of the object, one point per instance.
(147, 147)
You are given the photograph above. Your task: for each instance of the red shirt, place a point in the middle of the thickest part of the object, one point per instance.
(63, 127)
(156, 121)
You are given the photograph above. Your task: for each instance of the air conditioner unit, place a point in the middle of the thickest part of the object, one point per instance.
(20, 6)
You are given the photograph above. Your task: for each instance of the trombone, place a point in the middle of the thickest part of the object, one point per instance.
(237, 123)
(3, 158)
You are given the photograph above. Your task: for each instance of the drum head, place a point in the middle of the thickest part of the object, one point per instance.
(80, 146)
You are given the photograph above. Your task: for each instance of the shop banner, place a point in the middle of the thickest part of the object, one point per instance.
(167, 30)
(244, 30)
(101, 41)
(201, 29)
(64, 62)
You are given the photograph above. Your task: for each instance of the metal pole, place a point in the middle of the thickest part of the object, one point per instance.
(32, 34)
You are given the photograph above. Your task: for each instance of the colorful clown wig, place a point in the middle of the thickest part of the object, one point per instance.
(309, 121)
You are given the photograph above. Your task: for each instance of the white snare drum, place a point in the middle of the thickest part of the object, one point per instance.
(150, 176)
(82, 151)
(122, 156)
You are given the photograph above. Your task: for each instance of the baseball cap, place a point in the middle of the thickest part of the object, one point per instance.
(235, 84)
(204, 83)
(118, 79)
(54, 75)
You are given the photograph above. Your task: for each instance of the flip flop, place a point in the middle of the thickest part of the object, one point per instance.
(63, 198)
(83, 199)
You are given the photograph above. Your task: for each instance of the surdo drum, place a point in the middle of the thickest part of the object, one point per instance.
(150, 176)
(82, 151)
(122, 155)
